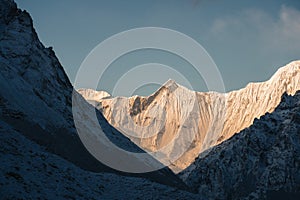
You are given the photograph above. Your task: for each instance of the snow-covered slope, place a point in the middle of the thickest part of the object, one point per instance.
(35, 91)
(93, 95)
(42, 156)
(29, 70)
(29, 171)
(262, 161)
(36, 99)
(195, 121)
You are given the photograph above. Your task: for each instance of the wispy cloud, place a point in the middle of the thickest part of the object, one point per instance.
(281, 31)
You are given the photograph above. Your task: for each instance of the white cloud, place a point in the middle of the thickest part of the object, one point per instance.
(288, 25)
(282, 31)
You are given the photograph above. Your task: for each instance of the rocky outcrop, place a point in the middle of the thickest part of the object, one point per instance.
(30, 70)
(187, 123)
(36, 99)
(261, 162)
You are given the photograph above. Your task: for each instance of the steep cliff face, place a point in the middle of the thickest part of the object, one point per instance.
(262, 161)
(195, 121)
(259, 98)
(36, 99)
(32, 79)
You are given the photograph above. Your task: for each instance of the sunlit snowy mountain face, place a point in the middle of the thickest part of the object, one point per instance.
(195, 121)
(262, 161)
(43, 157)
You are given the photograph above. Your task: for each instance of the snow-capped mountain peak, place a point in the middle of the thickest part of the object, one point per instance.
(211, 117)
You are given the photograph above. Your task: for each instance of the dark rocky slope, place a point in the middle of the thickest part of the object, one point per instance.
(36, 97)
(261, 162)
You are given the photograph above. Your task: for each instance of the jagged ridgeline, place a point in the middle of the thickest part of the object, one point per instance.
(261, 162)
(207, 121)
(42, 156)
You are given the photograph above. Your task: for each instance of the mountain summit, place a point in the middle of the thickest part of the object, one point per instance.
(42, 156)
(204, 118)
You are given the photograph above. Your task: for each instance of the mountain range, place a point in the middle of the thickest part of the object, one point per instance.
(42, 155)
(196, 121)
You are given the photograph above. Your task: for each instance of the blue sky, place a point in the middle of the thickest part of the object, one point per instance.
(248, 40)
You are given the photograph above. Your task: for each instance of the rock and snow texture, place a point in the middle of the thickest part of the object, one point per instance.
(262, 161)
(195, 121)
(36, 100)
(35, 107)
(28, 171)
(35, 90)
(93, 95)
(29, 70)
